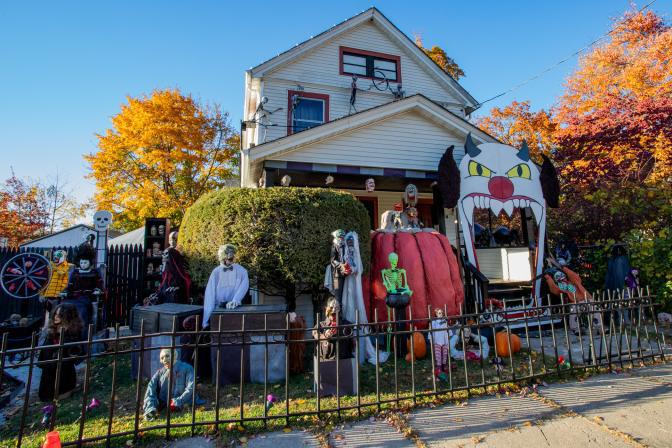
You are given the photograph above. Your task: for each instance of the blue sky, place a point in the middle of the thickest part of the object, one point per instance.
(66, 67)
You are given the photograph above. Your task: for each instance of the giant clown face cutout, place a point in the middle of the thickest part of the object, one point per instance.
(500, 178)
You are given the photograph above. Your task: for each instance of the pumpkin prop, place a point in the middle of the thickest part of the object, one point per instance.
(419, 347)
(502, 341)
(432, 269)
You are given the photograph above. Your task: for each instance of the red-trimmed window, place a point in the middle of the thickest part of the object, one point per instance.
(306, 110)
(369, 64)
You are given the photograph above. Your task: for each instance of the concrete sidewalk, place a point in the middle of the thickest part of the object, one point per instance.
(616, 410)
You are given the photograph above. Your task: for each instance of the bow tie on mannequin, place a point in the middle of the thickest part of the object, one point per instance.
(227, 268)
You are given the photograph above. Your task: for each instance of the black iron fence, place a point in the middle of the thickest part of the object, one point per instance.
(296, 382)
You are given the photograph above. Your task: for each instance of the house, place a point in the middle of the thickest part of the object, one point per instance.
(359, 101)
(72, 236)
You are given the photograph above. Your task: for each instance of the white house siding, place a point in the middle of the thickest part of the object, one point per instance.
(386, 199)
(70, 237)
(318, 72)
(408, 140)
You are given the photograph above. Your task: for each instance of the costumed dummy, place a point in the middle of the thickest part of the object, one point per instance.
(66, 318)
(475, 346)
(84, 285)
(567, 283)
(175, 284)
(338, 268)
(334, 336)
(228, 283)
(352, 300)
(440, 340)
(156, 396)
(398, 297)
(498, 177)
(60, 271)
(618, 268)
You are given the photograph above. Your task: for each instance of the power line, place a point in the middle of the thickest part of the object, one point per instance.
(548, 69)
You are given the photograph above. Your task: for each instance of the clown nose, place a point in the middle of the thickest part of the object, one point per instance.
(500, 187)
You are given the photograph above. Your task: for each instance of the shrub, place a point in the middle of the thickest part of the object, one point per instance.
(283, 235)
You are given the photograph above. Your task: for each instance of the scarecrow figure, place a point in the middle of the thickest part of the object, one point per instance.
(228, 283)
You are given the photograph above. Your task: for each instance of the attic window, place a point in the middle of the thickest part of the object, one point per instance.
(369, 64)
(306, 110)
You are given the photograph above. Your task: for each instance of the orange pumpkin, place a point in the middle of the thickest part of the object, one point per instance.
(419, 346)
(503, 339)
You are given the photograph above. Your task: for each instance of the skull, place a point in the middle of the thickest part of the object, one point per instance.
(102, 220)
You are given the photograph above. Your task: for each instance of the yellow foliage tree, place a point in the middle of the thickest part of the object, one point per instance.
(439, 56)
(162, 153)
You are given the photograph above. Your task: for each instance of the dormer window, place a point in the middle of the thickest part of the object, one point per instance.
(306, 110)
(369, 64)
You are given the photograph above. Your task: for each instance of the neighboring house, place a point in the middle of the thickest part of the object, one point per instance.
(72, 236)
(303, 118)
(134, 237)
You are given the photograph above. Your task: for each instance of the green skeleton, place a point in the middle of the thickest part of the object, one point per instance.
(394, 279)
(395, 282)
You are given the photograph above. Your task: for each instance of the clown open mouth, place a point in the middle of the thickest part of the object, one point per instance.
(496, 205)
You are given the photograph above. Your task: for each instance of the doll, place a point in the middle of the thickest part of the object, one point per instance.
(440, 340)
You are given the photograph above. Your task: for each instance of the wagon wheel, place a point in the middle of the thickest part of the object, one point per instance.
(25, 275)
(380, 81)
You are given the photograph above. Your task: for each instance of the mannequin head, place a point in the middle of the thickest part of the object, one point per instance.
(84, 264)
(226, 254)
(172, 239)
(167, 357)
(59, 257)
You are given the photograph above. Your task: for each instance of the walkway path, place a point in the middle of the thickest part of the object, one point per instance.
(616, 410)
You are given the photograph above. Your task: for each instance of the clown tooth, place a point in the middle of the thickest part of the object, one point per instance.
(495, 206)
(527, 202)
(516, 203)
(487, 202)
(468, 209)
(508, 207)
(538, 211)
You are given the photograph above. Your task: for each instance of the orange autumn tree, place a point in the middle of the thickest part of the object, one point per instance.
(516, 122)
(614, 139)
(162, 153)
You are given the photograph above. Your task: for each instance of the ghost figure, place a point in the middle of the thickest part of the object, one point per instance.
(499, 177)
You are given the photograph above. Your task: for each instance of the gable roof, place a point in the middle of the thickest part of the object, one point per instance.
(378, 18)
(366, 117)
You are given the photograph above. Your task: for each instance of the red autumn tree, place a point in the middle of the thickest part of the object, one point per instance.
(22, 212)
(614, 139)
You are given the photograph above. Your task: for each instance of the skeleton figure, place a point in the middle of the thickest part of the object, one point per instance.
(227, 285)
(394, 278)
(398, 296)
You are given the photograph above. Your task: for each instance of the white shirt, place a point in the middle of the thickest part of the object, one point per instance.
(224, 286)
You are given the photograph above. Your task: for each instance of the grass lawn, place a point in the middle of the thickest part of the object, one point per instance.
(300, 393)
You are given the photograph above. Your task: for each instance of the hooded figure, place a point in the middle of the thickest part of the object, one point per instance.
(174, 274)
(353, 299)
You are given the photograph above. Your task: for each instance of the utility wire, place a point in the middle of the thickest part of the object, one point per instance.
(552, 67)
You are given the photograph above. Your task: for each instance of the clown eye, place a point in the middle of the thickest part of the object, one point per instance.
(522, 170)
(476, 169)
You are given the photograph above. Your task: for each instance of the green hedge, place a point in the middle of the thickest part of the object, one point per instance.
(282, 233)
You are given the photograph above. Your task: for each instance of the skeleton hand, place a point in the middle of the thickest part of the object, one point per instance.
(232, 304)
